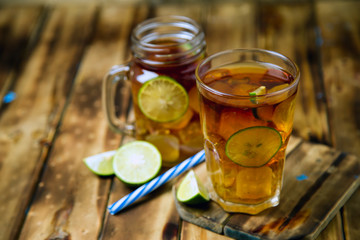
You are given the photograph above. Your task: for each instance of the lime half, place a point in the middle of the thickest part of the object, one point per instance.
(137, 162)
(259, 91)
(101, 164)
(162, 99)
(253, 146)
(191, 190)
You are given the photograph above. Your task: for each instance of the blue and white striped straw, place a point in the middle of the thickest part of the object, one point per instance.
(157, 182)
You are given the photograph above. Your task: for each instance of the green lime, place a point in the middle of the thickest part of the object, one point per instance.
(137, 162)
(253, 146)
(259, 91)
(162, 99)
(101, 164)
(191, 190)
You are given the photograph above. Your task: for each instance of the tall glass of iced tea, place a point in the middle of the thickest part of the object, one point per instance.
(165, 53)
(247, 99)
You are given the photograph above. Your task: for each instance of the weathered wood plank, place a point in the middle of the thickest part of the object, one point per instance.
(45, 85)
(77, 208)
(288, 28)
(331, 231)
(27, 125)
(339, 26)
(195, 11)
(230, 25)
(191, 231)
(17, 25)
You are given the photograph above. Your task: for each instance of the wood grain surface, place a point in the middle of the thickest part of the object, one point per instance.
(53, 57)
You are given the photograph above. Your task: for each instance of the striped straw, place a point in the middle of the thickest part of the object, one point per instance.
(157, 182)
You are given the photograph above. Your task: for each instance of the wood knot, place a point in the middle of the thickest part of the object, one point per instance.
(60, 221)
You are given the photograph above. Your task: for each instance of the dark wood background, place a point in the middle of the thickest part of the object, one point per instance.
(53, 56)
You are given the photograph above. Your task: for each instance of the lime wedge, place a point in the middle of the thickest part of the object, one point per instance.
(259, 91)
(191, 190)
(162, 99)
(137, 162)
(101, 164)
(253, 146)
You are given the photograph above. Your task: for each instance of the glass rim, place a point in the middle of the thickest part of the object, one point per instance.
(171, 20)
(230, 95)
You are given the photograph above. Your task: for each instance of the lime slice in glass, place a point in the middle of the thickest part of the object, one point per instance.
(101, 164)
(162, 99)
(137, 162)
(191, 190)
(253, 146)
(259, 91)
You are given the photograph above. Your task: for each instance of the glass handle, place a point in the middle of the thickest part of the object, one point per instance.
(117, 81)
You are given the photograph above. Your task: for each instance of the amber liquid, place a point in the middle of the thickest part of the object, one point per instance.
(222, 116)
(179, 139)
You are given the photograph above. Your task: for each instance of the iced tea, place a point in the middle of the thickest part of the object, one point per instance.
(165, 52)
(247, 113)
(177, 137)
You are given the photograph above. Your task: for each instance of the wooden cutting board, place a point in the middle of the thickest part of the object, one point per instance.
(318, 180)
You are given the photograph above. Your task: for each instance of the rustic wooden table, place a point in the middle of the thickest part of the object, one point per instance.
(52, 61)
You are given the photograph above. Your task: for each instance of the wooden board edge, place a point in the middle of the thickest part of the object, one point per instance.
(229, 232)
(203, 221)
(345, 197)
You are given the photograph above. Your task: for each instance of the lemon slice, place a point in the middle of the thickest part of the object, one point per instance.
(101, 164)
(253, 146)
(162, 99)
(137, 162)
(191, 190)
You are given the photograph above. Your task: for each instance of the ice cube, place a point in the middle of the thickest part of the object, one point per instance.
(215, 75)
(244, 89)
(254, 183)
(264, 113)
(235, 119)
(181, 122)
(191, 136)
(284, 115)
(229, 172)
(194, 99)
(168, 145)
